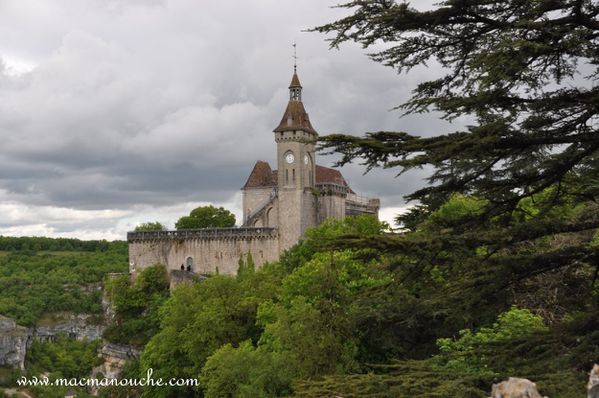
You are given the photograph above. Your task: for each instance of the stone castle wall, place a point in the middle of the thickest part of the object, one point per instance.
(331, 202)
(209, 249)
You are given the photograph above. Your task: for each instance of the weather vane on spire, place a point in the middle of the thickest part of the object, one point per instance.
(294, 56)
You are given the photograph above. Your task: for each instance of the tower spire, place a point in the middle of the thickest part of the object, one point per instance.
(295, 88)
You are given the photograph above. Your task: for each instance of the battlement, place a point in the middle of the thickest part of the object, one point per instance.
(204, 234)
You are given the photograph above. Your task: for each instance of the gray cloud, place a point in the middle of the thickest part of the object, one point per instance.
(152, 106)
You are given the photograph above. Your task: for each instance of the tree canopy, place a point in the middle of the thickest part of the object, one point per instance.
(150, 226)
(35, 283)
(207, 217)
(526, 171)
(526, 71)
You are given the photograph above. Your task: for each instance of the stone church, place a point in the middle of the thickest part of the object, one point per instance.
(278, 206)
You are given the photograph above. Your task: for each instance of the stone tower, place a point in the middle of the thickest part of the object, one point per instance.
(295, 138)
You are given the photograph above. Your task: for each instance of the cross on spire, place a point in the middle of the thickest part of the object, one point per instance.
(294, 56)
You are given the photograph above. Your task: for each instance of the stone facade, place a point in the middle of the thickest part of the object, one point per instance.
(278, 206)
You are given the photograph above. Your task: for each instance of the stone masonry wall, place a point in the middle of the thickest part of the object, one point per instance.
(210, 249)
(331, 206)
(254, 199)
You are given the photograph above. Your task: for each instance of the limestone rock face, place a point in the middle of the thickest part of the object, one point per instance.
(593, 386)
(515, 388)
(75, 326)
(115, 356)
(13, 343)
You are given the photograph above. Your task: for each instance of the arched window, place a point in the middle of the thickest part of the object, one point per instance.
(189, 263)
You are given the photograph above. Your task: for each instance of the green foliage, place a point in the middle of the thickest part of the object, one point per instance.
(199, 318)
(32, 284)
(150, 226)
(413, 379)
(322, 237)
(458, 209)
(305, 330)
(344, 315)
(246, 266)
(245, 372)
(9, 376)
(511, 200)
(62, 358)
(137, 305)
(207, 217)
(462, 354)
(34, 243)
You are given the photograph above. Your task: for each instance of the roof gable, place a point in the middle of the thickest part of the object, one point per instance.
(261, 176)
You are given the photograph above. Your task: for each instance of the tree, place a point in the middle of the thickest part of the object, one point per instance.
(520, 68)
(526, 72)
(137, 306)
(200, 318)
(150, 226)
(207, 217)
(245, 371)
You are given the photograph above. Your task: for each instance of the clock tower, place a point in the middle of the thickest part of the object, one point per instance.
(295, 138)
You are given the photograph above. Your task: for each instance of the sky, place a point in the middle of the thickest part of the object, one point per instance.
(114, 112)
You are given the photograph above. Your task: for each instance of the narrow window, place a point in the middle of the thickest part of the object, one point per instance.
(293, 175)
(286, 176)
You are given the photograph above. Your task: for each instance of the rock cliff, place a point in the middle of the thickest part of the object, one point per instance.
(115, 356)
(13, 343)
(75, 326)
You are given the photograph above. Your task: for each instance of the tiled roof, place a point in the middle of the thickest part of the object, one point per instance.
(261, 176)
(295, 117)
(326, 175)
(295, 81)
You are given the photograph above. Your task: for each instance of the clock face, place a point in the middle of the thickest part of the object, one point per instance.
(289, 158)
(306, 160)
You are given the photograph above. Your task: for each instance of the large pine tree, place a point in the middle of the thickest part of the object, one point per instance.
(526, 71)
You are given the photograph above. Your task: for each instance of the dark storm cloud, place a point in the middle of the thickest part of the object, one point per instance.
(131, 106)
